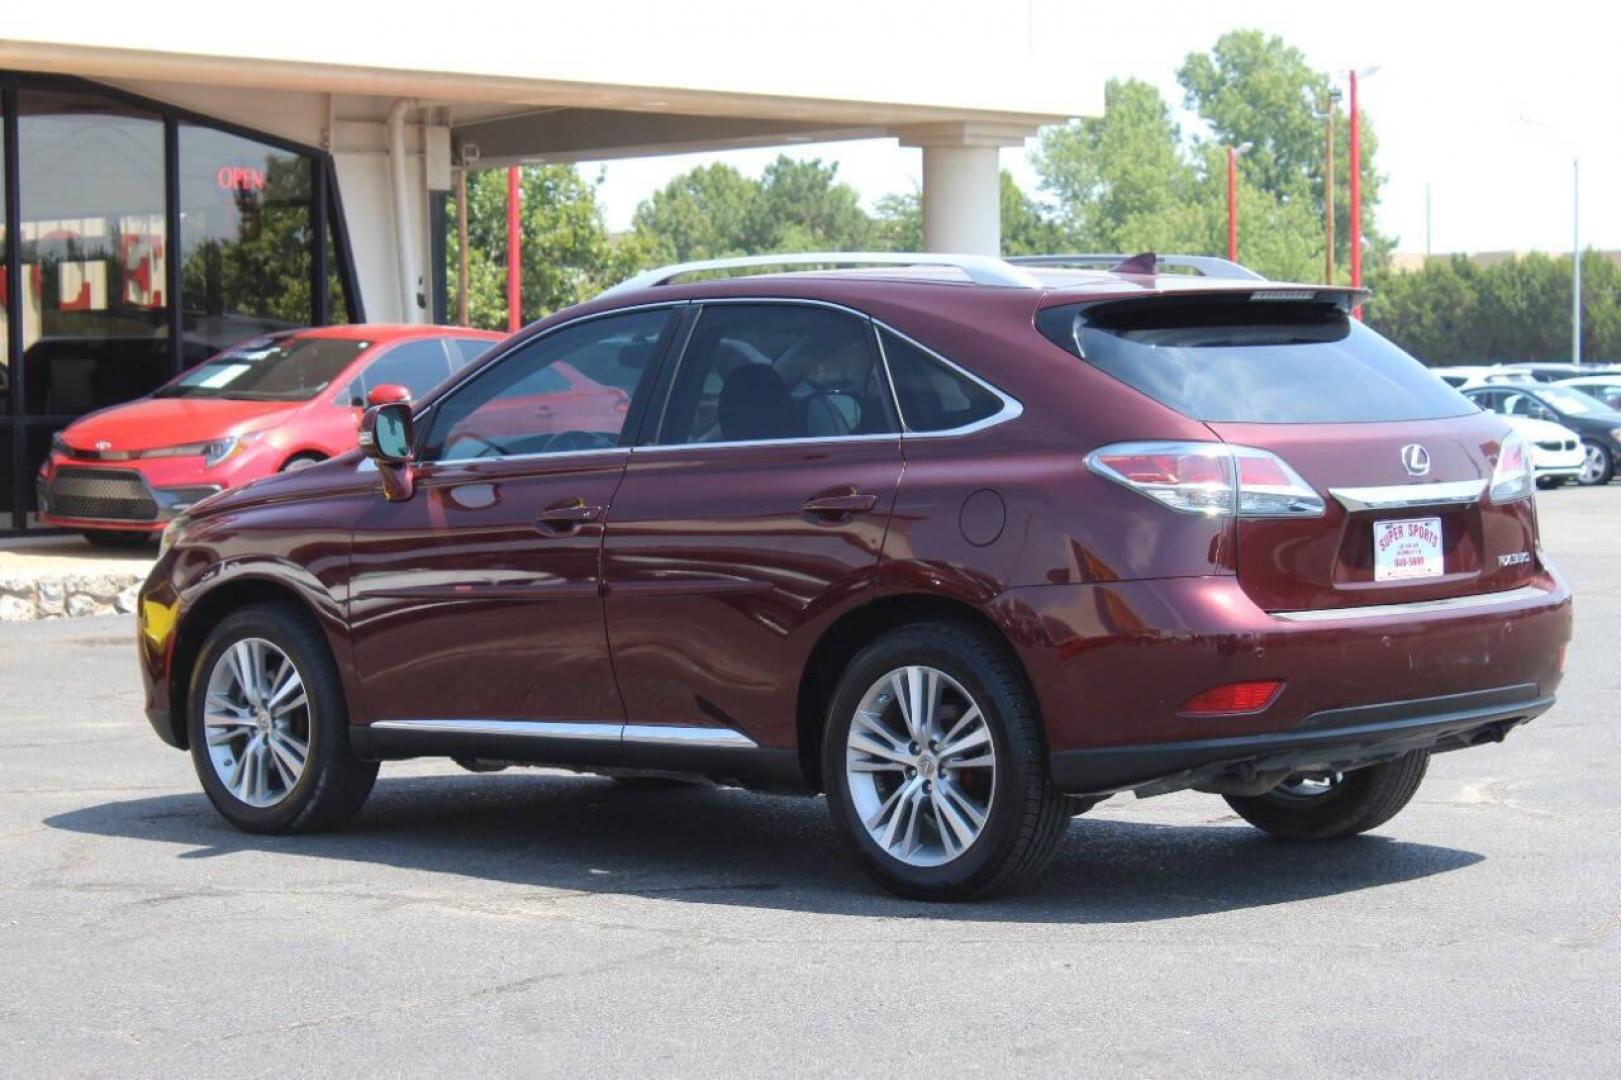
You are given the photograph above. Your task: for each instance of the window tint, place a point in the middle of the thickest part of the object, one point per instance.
(1239, 360)
(469, 349)
(419, 366)
(753, 372)
(933, 397)
(568, 390)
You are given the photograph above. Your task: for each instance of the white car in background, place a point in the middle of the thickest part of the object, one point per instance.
(1467, 377)
(1607, 388)
(1556, 451)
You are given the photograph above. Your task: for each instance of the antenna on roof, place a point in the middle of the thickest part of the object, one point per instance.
(1146, 264)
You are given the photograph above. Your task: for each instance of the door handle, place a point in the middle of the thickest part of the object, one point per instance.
(839, 505)
(566, 517)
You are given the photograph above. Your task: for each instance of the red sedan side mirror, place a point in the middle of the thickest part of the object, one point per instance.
(388, 394)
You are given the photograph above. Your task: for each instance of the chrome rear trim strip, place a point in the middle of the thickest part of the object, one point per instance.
(528, 729)
(708, 738)
(639, 734)
(1415, 607)
(1401, 496)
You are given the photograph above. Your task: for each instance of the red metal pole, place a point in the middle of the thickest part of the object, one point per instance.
(1232, 205)
(514, 255)
(1356, 193)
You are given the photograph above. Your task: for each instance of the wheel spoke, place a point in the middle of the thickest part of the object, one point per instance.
(962, 724)
(285, 764)
(980, 736)
(962, 831)
(242, 671)
(290, 748)
(869, 745)
(905, 806)
(287, 681)
(984, 761)
(299, 701)
(960, 801)
(903, 698)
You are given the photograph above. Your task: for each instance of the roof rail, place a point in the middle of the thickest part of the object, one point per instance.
(1206, 265)
(980, 269)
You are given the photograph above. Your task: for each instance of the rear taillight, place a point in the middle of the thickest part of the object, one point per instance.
(1513, 477)
(1209, 478)
(1238, 697)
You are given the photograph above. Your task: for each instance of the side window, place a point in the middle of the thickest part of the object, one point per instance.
(1488, 400)
(567, 390)
(933, 397)
(757, 372)
(464, 351)
(419, 366)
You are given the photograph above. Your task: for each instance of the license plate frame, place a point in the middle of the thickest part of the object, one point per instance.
(1408, 549)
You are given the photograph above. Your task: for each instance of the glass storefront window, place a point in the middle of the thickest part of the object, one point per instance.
(92, 237)
(92, 307)
(247, 233)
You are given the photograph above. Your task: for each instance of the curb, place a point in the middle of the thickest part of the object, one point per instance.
(30, 597)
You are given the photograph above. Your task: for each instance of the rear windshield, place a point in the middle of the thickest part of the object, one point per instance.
(1270, 362)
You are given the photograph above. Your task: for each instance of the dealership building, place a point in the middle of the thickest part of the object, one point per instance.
(170, 186)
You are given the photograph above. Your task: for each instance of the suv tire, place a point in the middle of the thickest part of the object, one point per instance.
(1352, 803)
(954, 775)
(280, 760)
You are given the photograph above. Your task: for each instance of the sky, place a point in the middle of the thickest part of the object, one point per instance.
(1485, 103)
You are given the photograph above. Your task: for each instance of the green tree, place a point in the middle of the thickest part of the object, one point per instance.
(567, 253)
(1258, 89)
(1122, 181)
(705, 213)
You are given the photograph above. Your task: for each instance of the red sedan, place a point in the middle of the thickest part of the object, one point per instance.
(267, 405)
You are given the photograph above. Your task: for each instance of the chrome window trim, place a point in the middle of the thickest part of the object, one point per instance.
(634, 734)
(1413, 607)
(1404, 496)
(1011, 409)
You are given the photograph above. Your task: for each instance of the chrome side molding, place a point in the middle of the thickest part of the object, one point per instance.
(561, 731)
(1414, 607)
(1402, 496)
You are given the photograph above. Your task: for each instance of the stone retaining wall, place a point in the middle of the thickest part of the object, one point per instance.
(25, 597)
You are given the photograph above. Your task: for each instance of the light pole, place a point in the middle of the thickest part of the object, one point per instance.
(1233, 154)
(1328, 188)
(1575, 236)
(1355, 166)
(1576, 260)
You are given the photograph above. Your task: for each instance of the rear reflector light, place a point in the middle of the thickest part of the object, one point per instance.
(1209, 478)
(1513, 477)
(1238, 697)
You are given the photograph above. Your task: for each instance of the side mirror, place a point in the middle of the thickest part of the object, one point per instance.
(388, 394)
(386, 437)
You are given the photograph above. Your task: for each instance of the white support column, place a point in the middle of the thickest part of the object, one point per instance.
(962, 184)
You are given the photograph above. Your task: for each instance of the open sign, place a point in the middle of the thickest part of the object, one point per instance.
(240, 178)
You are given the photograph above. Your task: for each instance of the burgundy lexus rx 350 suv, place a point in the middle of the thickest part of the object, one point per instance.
(965, 545)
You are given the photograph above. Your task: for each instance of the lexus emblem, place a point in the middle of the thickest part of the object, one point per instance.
(1415, 459)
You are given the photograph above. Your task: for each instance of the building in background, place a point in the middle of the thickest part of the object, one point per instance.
(172, 185)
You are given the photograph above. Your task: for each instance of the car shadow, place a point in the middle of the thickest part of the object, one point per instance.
(723, 846)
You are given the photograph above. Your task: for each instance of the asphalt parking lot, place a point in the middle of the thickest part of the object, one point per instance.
(540, 923)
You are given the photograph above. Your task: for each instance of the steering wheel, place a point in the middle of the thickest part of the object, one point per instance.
(490, 448)
(564, 441)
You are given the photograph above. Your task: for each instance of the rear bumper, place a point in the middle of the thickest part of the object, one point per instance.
(1329, 741)
(1112, 664)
